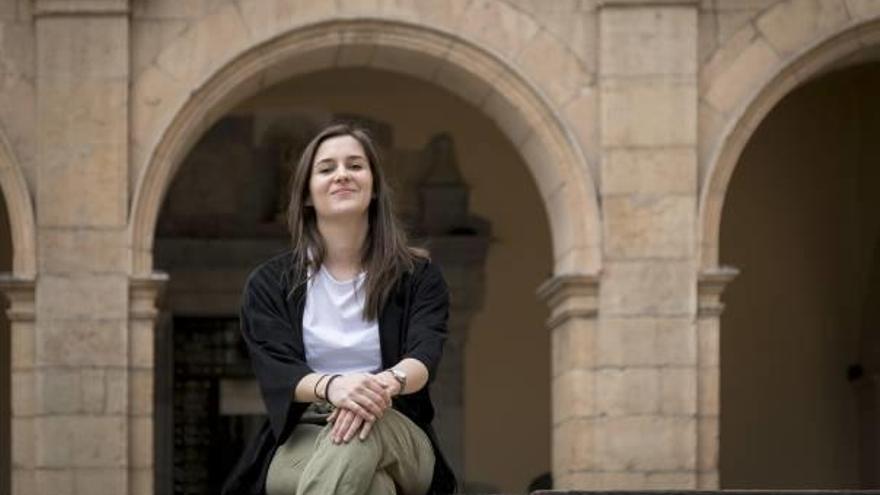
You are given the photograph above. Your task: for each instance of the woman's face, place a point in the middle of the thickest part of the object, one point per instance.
(341, 184)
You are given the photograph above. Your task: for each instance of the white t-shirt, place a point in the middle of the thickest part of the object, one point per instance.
(335, 335)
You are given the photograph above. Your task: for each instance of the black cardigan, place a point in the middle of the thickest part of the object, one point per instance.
(412, 324)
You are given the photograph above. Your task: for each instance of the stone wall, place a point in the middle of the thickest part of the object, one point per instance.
(630, 115)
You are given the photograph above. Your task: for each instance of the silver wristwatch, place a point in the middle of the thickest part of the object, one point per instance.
(400, 376)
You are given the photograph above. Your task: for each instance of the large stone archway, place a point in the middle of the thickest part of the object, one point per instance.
(526, 117)
(743, 96)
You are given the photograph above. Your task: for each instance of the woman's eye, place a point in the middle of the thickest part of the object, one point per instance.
(356, 166)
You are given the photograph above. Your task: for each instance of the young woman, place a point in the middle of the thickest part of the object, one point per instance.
(345, 332)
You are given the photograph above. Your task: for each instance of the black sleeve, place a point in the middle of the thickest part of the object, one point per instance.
(278, 358)
(429, 312)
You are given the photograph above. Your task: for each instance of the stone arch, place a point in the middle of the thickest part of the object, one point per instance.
(524, 115)
(847, 46)
(21, 214)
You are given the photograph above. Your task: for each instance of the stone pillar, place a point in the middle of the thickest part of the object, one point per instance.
(20, 294)
(710, 287)
(81, 369)
(144, 294)
(572, 323)
(645, 378)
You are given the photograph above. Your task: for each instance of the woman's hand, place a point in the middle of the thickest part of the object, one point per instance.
(390, 383)
(346, 424)
(362, 393)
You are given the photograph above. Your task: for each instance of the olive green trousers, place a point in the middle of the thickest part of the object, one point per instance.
(395, 458)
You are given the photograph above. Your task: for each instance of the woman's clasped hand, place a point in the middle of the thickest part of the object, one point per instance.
(360, 400)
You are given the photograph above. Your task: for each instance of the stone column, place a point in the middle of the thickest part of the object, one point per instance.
(144, 294)
(710, 287)
(82, 360)
(573, 301)
(20, 294)
(645, 378)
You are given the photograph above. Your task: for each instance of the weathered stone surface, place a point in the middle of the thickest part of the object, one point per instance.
(709, 391)
(80, 441)
(140, 442)
(24, 399)
(548, 62)
(23, 345)
(55, 481)
(678, 391)
(628, 391)
(649, 171)
(708, 444)
(654, 288)
(100, 481)
(582, 113)
(77, 250)
(73, 48)
(266, 18)
(645, 443)
(863, 8)
(645, 342)
(117, 395)
(740, 71)
(790, 25)
(141, 392)
(82, 342)
(498, 27)
(86, 297)
(574, 395)
(22, 445)
(638, 112)
(574, 445)
(574, 345)
(641, 226)
(709, 341)
(646, 40)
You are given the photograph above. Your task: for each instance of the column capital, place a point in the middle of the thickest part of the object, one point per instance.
(20, 293)
(143, 294)
(710, 285)
(574, 295)
(44, 8)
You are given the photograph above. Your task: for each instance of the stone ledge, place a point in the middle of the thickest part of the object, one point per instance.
(706, 492)
(44, 8)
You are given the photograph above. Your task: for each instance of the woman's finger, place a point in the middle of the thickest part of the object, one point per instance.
(333, 416)
(376, 386)
(352, 429)
(342, 426)
(363, 408)
(365, 430)
(376, 403)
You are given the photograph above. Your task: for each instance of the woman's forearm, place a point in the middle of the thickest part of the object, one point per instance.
(416, 374)
(305, 389)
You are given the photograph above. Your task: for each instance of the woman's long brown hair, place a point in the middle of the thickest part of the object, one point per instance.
(386, 255)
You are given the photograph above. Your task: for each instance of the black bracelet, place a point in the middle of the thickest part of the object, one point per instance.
(327, 389)
(318, 384)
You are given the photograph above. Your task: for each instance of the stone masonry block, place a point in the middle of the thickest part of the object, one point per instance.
(59, 391)
(639, 112)
(738, 78)
(83, 185)
(645, 342)
(403, 61)
(709, 391)
(678, 391)
(628, 391)
(498, 27)
(84, 112)
(582, 113)
(648, 288)
(708, 443)
(442, 15)
(80, 441)
(140, 481)
(573, 448)
(467, 84)
(24, 481)
(642, 226)
(22, 445)
(77, 250)
(83, 342)
(55, 481)
(649, 171)
(94, 390)
(709, 342)
(141, 392)
(24, 398)
(117, 396)
(22, 346)
(556, 70)
(574, 345)
(793, 24)
(201, 49)
(140, 442)
(646, 443)
(508, 115)
(74, 48)
(573, 395)
(142, 346)
(100, 481)
(84, 297)
(648, 41)
(267, 18)
(148, 37)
